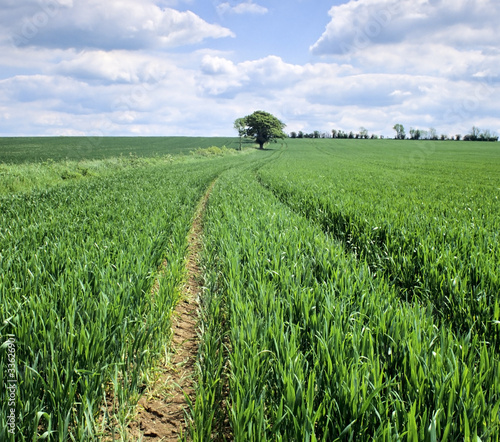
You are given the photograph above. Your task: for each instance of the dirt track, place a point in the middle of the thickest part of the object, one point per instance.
(160, 413)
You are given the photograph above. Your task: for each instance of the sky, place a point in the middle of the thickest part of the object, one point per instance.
(191, 67)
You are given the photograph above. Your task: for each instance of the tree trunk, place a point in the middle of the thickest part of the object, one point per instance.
(261, 145)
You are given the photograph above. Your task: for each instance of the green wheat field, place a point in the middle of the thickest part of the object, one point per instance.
(351, 287)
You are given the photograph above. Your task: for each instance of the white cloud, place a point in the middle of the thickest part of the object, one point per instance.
(326, 95)
(400, 93)
(221, 77)
(114, 24)
(112, 67)
(356, 25)
(80, 73)
(247, 7)
(424, 62)
(214, 65)
(128, 92)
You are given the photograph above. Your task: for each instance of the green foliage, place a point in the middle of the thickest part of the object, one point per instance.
(263, 127)
(400, 131)
(29, 176)
(351, 291)
(239, 125)
(416, 226)
(325, 339)
(39, 149)
(213, 151)
(77, 263)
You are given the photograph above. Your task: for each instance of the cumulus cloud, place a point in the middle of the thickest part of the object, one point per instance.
(114, 24)
(128, 92)
(106, 67)
(424, 62)
(247, 7)
(221, 77)
(421, 63)
(55, 93)
(214, 65)
(327, 95)
(357, 25)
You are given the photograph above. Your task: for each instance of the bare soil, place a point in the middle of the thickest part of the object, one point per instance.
(161, 414)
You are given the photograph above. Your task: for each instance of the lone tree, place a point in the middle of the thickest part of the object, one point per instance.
(264, 127)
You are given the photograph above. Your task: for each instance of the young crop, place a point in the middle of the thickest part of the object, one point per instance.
(322, 343)
(350, 294)
(433, 240)
(77, 263)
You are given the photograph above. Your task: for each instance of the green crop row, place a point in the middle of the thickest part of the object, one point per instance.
(25, 177)
(351, 293)
(21, 150)
(77, 264)
(28, 176)
(307, 343)
(433, 234)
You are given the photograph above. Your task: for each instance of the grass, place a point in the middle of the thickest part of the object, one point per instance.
(29, 174)
(351, 288)
(420, 224)
(321, 273)
(39, 149)
(77, 262)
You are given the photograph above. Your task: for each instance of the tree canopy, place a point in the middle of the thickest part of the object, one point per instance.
(263, 127)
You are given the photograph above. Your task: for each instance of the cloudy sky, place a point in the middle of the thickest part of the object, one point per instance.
(191, 67)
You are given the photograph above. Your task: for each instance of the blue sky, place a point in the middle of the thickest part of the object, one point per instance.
(191, 67)
(283, 28)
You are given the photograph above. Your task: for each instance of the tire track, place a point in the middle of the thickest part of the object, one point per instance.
(161, 414)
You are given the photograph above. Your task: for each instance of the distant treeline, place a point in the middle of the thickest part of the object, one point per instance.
(475, 134)
(363, 134)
